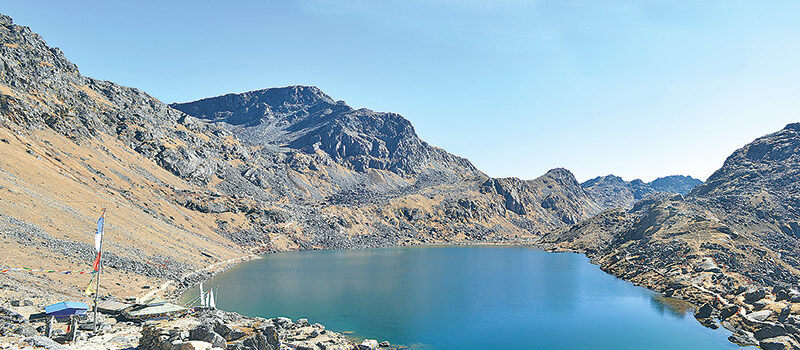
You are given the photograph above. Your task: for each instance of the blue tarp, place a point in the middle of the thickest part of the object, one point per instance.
(66, 309)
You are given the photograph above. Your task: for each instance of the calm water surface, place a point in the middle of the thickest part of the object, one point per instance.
(463, 298)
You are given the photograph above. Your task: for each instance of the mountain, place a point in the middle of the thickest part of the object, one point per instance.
(303, 118)
(202, 183)
(674, 184)
(731, 243)
(612, 191)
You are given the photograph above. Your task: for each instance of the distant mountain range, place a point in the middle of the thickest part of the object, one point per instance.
(196, 183)
(613, 191)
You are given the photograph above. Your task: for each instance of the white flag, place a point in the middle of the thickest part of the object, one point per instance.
(98, 236)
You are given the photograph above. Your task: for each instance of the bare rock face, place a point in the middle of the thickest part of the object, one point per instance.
(305, 119)
(556, 193)
(613, 192)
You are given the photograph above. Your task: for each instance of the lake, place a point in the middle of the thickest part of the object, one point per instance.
(473, 297)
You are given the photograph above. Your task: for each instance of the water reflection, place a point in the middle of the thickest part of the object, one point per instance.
(671, 306)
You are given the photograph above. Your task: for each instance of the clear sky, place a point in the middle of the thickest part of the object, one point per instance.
(639, 89)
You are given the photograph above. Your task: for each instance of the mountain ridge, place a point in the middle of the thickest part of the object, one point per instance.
(613, 191)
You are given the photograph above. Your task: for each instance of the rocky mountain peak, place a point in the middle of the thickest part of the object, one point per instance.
(613, 191)
(562, 175)
(675, 184)
(793, 126)
(259, 106)
(303, 118)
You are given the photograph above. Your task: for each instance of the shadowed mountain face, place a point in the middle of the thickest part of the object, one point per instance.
(614, 192)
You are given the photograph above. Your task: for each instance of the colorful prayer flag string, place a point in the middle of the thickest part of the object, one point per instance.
(64, 272)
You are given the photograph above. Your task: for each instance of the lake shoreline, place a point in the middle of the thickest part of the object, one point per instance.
(696, 303)
(172, 290)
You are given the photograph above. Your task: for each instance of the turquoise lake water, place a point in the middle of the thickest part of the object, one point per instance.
(463, 298)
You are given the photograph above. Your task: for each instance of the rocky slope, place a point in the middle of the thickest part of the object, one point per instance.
(729, 243)
(613, 192)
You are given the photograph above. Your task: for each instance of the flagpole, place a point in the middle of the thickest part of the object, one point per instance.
(99, 271)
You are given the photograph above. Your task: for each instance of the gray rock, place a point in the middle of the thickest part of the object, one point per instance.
(754, 294)
(707, 265)
(743, 338)
(705, 311)
(26, 331)
(11, 315)
(770, 330)
(728, 311)
(282, 322)
(760, 315)
(368, 344)
(44, 342)
(193, 345)
(758, 305)
(385, 344)
(205, 332)
(784, 314)
(779, 343)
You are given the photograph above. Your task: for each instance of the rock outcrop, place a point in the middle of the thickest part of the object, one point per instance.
(613, 192)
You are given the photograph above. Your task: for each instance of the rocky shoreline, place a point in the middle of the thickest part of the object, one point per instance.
(755, 315)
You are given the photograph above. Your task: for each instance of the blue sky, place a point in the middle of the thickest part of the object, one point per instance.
(639, 89)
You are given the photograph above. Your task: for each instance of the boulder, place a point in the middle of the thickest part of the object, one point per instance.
(769, 330)
(754, 294)
(270, 333)
(226, 331)
(385, 344)
(282, 322)
(793, 296)
(781, 294)
(11, 315)
(205, 332)
(704, 311)
(45, 343)
(192, 345)
(779, 343)
(26, 330)
(728, 311)
(708, 322)
(743, 337)
(707, 265)
(784, 314)
(760, 304)
(760, 315)
(368, 344)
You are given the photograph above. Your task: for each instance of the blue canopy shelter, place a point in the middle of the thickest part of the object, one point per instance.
(66, 309)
